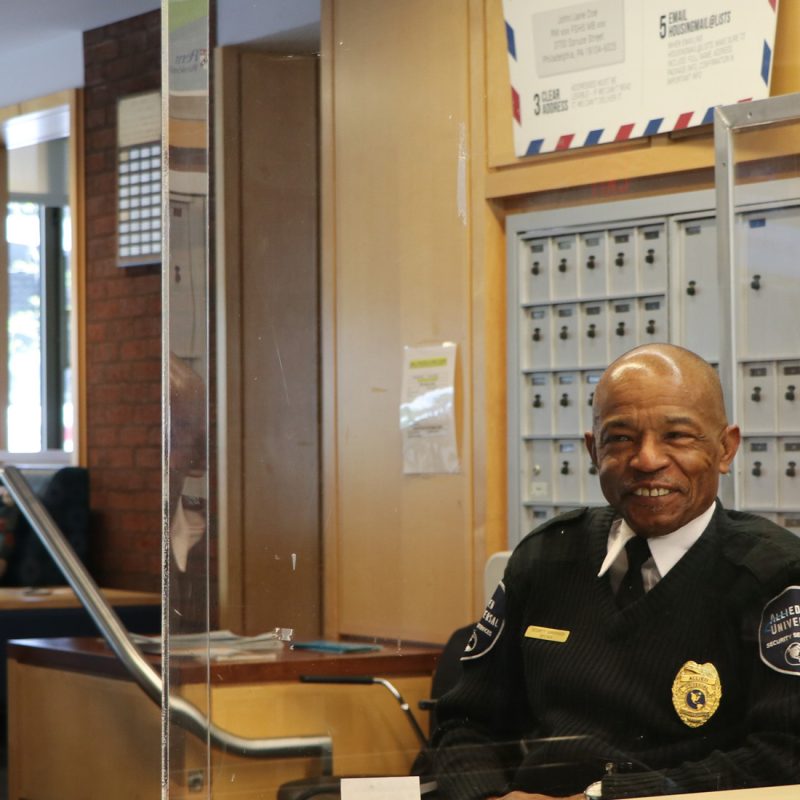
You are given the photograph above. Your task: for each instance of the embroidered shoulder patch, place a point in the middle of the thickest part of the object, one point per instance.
(779, 632)
(490, 626)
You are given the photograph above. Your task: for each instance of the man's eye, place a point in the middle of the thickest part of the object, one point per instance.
(615, 438)
(679, 435)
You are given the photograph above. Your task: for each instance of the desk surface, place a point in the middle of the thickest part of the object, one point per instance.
(14, 598)
(93, 656)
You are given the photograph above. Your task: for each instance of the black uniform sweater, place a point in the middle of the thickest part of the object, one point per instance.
(561, 688)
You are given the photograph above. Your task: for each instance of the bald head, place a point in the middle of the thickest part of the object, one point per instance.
(669, 365)
(660, 437)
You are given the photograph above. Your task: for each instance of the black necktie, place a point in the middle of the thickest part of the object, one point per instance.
(632, 586)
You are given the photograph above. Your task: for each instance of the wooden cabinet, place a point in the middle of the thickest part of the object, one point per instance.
(101, 734)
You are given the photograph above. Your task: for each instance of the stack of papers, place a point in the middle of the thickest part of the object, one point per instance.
(217, 644)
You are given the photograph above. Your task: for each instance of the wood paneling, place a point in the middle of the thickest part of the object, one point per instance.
(75, 720)
(110, 748)
(269, 252)
(397, 158)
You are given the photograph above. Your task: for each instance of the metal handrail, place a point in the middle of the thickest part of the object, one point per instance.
(182, 712)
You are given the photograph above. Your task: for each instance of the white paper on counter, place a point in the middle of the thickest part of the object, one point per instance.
(381, 788)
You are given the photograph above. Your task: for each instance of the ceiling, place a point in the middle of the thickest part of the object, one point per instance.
(25, 23)
(41, 41)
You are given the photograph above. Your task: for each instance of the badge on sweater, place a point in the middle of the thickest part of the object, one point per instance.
(696, 692)
(489, 627)
(779, 632)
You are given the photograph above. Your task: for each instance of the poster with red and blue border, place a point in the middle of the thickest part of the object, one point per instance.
(604, 71)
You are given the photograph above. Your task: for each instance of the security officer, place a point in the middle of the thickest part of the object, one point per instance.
(648, 647)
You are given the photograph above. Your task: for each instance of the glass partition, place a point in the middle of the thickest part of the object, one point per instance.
(339, 213)
(187, 592)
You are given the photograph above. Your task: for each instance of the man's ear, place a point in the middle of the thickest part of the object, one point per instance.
(731, 437)
(589, 440)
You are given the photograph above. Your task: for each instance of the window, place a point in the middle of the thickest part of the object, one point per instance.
(39, 404)
(38, 401)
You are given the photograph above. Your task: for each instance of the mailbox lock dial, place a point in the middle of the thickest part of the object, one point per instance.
(620, 259)
(537, 401)
(565, 467)
(651, 256)
(537, 334)
(562, 265)
(591, 399)
(651, 326)
(564, 332)
(790, 470)
(756, 395)
(790, 393)
(621, 329)
(755, 284)
(592, 469)
(691, 289)
(592, 332)
(590, 263)
(564, 401)
(756, 469)
(535, 268)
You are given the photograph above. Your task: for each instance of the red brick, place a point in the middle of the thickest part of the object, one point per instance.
(148, 457)
(95, 118)
(123, 325)
(135, 42)
(104, 182)
(134, 349)
(103, 50)
(104, 436)
(147, 525)
(100, 247)
(102, 139)
(96, 331)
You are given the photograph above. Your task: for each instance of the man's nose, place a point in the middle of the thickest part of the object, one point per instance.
(650, 456)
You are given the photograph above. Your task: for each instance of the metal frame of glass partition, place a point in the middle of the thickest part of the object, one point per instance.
(728, 121)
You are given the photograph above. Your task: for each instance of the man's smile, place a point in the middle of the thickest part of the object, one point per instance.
(645, 492)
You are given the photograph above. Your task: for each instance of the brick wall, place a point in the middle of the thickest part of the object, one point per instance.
(123, 326)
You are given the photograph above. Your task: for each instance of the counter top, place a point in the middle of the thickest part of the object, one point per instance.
(14, 598)
(94, 656)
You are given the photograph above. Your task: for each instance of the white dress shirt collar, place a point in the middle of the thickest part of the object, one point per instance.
(666, 550)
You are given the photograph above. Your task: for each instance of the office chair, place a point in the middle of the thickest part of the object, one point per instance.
(446, 675)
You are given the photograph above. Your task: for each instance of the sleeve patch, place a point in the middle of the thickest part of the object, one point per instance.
(779, 632)
(489, 628)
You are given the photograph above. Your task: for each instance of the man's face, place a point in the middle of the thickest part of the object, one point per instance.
(659, 447)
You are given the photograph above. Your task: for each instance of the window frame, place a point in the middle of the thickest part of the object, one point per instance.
(31, 122)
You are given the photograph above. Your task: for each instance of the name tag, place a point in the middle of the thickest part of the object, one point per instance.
(548, 634)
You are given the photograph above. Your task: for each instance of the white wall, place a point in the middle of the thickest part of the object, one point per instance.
(42, 68)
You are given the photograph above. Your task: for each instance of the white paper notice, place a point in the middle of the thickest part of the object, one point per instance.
(610, 70)
(380, 788)
(427, 413)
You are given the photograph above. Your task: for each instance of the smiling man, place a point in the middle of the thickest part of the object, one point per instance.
(644, 648)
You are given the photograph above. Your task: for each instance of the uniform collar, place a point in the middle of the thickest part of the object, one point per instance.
(666, 550)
